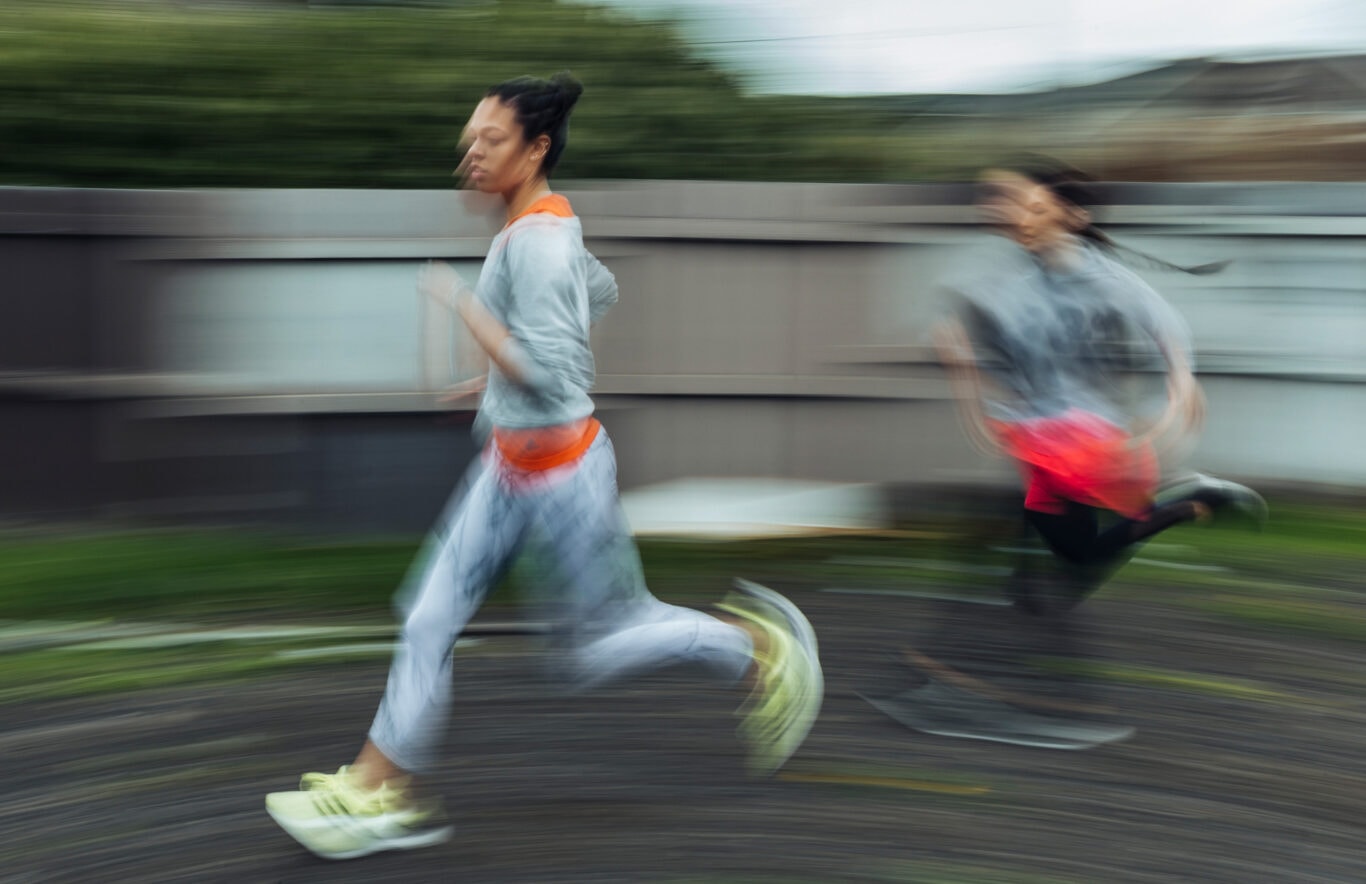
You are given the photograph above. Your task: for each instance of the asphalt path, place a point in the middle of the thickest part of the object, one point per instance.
(1247, 765)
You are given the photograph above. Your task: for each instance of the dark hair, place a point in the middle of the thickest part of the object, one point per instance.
(542, 107)
(1076, 188)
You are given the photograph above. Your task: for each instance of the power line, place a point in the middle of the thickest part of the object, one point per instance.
(901, 32)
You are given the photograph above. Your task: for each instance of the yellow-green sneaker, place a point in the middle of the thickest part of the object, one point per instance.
(789, 685)
(335, 818)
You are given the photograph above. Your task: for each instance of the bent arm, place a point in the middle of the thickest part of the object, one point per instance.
(445, 348)
(546, 314)
(956, 353)
(502, 348)
(1185, 407)
(602, 290)
(1185, 399)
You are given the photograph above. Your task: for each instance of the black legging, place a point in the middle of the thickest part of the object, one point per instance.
(1075, 536)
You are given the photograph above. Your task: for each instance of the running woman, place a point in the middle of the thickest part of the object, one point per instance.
(1048, 336)
(548, 468)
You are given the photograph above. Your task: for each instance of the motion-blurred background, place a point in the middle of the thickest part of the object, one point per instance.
(220, 435)
(215, 212)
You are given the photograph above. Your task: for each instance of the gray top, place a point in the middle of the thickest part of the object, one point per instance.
(547, 290)
(1093, 336)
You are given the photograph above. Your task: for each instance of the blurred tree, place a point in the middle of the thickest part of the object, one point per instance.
(144, 93)
(372, 93)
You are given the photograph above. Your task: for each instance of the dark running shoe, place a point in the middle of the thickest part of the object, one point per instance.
(1221, 496)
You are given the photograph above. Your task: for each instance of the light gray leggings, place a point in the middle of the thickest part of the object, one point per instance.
(615, 626)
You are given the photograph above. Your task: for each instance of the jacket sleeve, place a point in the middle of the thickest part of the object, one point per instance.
(602, 289)
(549, 308)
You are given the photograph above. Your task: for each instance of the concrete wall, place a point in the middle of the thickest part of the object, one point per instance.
(263, 354)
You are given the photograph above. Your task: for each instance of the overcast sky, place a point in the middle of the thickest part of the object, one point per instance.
(869, 46)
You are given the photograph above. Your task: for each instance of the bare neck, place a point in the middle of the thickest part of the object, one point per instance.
(520, 198)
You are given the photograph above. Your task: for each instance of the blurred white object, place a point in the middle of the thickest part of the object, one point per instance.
(740, 508)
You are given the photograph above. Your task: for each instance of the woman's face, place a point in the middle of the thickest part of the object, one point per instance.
(498, 158)
(1028, 212)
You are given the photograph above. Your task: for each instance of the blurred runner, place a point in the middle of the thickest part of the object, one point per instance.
(548, 468)
(1051, 342)
(1049, 350)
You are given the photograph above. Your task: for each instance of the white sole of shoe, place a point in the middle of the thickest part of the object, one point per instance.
(300, 831)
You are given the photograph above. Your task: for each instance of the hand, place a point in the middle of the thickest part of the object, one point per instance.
(1185, 411)
(952, 345)
(439, 281)
(457, 393)
(1190, 400)
(955, 352)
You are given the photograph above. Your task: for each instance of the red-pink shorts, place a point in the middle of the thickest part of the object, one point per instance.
(1078, 456)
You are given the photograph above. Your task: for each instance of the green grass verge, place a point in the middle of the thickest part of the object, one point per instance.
(199, 573)
(1301, 576)
(253, 576)
(1307, 553)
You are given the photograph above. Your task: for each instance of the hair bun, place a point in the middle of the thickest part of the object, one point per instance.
(542, 107)
(568, 86)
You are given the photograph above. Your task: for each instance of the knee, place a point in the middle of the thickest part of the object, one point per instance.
(422, 632)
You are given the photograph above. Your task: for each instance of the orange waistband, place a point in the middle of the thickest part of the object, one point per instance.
(544, 448)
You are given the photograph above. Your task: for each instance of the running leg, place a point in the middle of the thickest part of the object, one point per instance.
(619, 628)
(462, 564)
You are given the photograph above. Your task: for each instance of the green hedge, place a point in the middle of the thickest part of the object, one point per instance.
(147, 93)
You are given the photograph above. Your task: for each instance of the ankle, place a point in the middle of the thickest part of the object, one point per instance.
(372, 769)
(758, 644)
(366, 777)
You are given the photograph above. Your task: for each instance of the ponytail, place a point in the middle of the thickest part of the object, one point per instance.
(1134, 258)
